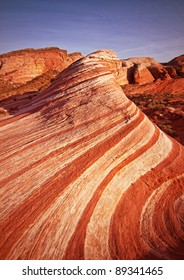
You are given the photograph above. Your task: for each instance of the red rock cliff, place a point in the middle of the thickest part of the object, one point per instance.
(18, 68)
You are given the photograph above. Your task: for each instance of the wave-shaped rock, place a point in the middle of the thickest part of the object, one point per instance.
(86, 175)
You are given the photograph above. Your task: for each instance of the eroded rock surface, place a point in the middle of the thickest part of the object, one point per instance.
(20, 68)
(85, 174)
(143, 70)
(178, 64)
(142, 75)
(171, 86)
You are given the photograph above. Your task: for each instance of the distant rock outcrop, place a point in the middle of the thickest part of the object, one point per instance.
(171, 71)
(172, 86)
(84, 174)
(146, 75)
(143, 70)
(178, 64)
(19, 69)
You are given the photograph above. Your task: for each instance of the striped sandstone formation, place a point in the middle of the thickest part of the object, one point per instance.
(86, 175)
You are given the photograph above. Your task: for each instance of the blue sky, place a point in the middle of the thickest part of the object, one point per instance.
(131, 28)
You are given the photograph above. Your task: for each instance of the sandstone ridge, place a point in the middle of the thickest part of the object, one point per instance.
(86, 175)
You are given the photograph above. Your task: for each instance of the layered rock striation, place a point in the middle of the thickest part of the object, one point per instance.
(85, 174)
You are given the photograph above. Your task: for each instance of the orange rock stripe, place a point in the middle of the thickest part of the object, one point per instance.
(125, 238)
(39, 140)
(57, 151)
(39, 201)
(75, 248)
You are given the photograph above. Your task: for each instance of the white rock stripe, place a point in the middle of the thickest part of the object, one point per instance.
(71, 210)
(113, 192)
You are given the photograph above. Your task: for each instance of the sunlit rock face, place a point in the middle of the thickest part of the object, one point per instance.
(146, 75)
(86, 175)
(24, 65)
(109, 59)
(20, 68)
(142, 75)
(143, 70)
(171, 86)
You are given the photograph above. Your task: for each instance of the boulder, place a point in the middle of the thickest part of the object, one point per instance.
(142, 75)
